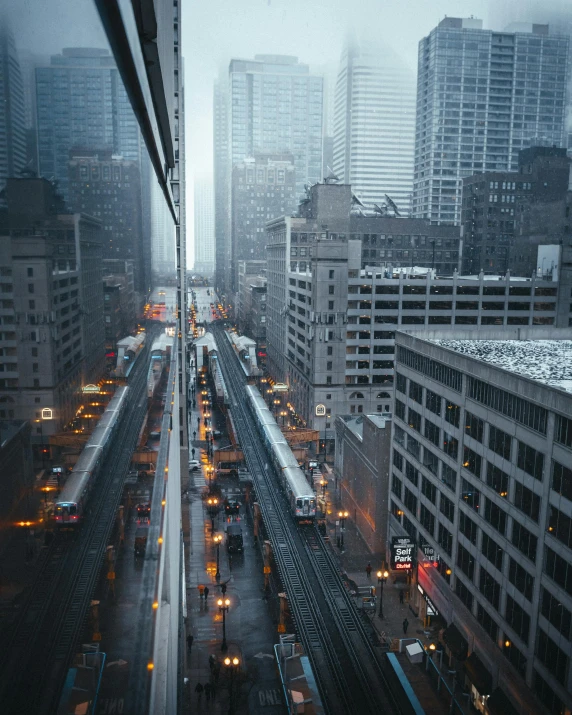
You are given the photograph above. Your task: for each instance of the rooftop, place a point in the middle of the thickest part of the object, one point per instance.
(547, 361)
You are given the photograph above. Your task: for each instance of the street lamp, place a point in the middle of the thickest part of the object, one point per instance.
(213, 509)
(381, 579)
(217, 538)
(223, 606)
(324, 485)
(343, 515)
(232, 664)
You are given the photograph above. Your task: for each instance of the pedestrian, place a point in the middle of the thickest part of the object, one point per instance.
(194, 434)
(405, 626)
(208, 691)
(193, 451)
(199, 690)
(201, 591)
(401, 596)
(368, 570)
(206, 592)
(190, 640)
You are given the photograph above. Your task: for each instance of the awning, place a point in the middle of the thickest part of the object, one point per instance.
(499, 704)
(455, 642)
(478, 674)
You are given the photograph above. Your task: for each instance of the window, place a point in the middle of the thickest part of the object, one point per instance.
(450, 445)
(563, 431)
(499, 442)
(531, 461)
(562, 480)
(447, 507)
(514, 655)
(488, 623)
(330, 350)
(401, 383)
(467, 527)
(497, 480)
(432, 433)
(427, 519)
(30, 272)
(331, 290)
(559, 570)
(398, 460)
(523, 411)
(464, 593)
(465, 561)
(489, 587)
(410, 501)
(524, 540)
(414, 420)
(411, 473)
(31, 288)
(452, 413)
(430, 461)
(560, 525)
(546, 695)
(32, 304)
(552, 656)
(400, 409)
(431, 368)
(399, 435)
(445, 539)
(396, 486)
(527, 501)
(448, 476)
(416, 392)
(495, 516)
(433, 402)
(331, 275)
(329, 365)
(474, 426)
(492, 551)
(429, 490)
(34, 352)
(520, 578)
(472, 461)
(556, 613)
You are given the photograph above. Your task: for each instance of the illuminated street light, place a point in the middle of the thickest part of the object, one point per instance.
(217, 538)
(223, 606)
(381, 579)
(343, 515)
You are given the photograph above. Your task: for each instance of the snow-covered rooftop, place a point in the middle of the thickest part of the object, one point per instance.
(548, 361)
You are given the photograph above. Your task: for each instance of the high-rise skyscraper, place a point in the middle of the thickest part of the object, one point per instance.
(221, 185)
(12, 111)
(270, 105)
(481, 97)
(83, 90)
(374, 124)
(204, 225)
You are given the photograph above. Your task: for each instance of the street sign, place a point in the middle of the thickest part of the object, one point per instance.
(320, 410)
(402, 550)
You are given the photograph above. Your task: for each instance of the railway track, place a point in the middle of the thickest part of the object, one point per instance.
(343, 658)
(40, 646)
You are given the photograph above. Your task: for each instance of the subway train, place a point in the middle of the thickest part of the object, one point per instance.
(71, 504)
(300, 494)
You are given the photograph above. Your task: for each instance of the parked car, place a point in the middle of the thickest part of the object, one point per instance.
(194, 464)
(217, 434)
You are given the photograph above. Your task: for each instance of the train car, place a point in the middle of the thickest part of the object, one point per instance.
(72, 502)
(283, 456)
(300, 495)
(272, 435)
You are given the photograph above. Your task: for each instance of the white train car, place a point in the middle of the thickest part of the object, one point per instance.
(72, 502)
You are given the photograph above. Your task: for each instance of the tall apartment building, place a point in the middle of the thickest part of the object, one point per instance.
(506, 216)
(481, 97)
(52, 335)
(204, 225)
(83, 90)
(272, 105)
(482, 450)
(221, 184)
(331, 324)
(108, 187)
(263, 188)
(374, 124)
(12, 109)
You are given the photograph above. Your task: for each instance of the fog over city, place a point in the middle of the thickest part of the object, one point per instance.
(285, 357)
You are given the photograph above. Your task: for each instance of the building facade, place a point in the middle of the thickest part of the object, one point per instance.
(83, 89)
(506, 216)
(482, 96)
(263, 188)
(361, 469)
(12, 109)
(331, 324)
(204, 226)
(481, 475)
(374, 124)
(108, 188)
(221, 184)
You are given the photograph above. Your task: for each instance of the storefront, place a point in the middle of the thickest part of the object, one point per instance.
(480, 681)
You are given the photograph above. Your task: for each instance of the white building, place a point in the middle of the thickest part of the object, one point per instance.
(374, 124)
(204, 225)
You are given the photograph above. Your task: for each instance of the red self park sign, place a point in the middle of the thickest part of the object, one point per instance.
(402, 550)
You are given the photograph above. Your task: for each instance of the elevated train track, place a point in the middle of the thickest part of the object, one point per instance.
(39, 647)
(344, 658)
